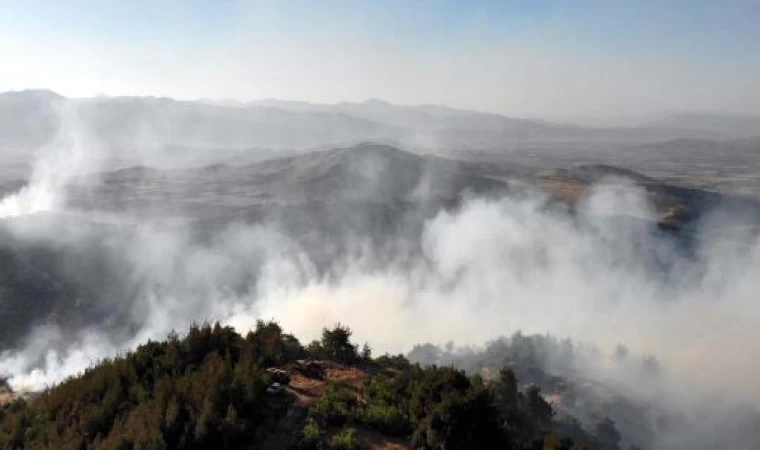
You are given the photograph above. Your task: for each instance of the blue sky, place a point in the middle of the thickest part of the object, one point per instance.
(507, 56)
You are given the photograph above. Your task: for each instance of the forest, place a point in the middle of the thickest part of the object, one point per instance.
(213, 388)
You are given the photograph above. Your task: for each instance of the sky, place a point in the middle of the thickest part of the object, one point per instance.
(530, 58)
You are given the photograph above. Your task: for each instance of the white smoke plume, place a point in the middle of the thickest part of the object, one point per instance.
(70, 157)
(487, 269)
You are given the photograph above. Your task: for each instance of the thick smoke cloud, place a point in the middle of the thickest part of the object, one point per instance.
(602, 274)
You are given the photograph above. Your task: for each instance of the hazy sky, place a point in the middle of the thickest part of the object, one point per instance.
(525, 58)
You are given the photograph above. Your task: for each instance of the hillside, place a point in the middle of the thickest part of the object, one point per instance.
(215, 386)
(378, 175)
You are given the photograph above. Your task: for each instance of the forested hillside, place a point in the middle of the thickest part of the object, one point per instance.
(216, 388)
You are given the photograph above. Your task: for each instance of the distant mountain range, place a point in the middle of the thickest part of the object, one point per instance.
(725, 125)
(28, 119)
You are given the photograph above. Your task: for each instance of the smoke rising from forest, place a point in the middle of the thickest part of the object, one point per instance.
(600, 275)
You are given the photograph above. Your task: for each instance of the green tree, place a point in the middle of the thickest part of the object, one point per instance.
(337, 344)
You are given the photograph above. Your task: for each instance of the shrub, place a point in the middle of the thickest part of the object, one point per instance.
(384, 418)
(345, 439)
(393, 361)
(312, 435)
(336, 406)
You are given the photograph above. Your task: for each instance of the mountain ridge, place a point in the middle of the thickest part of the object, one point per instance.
(125, 122)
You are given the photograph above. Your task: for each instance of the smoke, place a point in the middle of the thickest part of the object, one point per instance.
(602, 274)
(494, 267)
(490, 268)
(69, 158)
